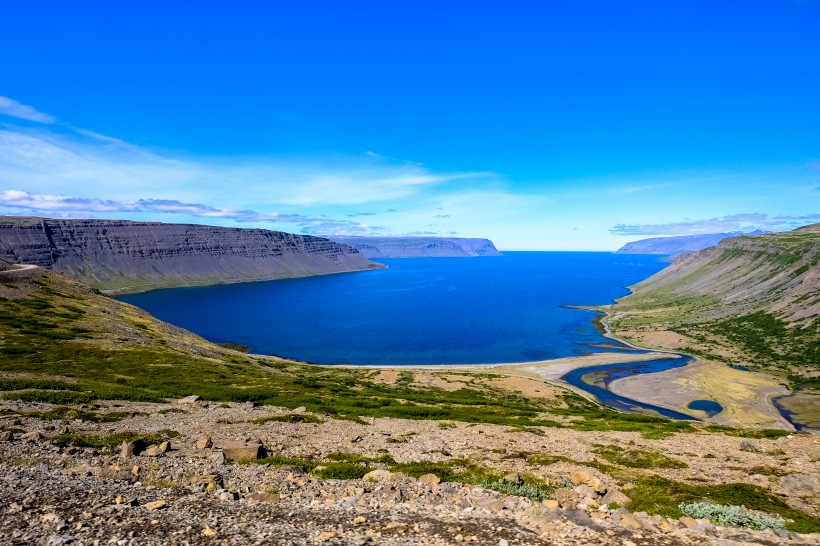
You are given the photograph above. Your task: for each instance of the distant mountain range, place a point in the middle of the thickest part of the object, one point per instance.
(672, 246)
(419, 247)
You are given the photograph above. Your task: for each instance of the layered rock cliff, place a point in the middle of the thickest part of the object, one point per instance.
(420, 247)
(123, 256)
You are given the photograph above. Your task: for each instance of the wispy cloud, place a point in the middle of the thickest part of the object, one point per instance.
(735, 222)
(11, 107)
(59, 205)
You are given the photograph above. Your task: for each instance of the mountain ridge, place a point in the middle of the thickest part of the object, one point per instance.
(123, 256)
(680, 244)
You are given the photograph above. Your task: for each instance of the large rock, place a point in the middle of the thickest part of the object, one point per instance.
(129, 449)
(133, 256)
(242, 451)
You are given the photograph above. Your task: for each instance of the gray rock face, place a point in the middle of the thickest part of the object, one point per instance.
(673, 246)
(124, 256)
(420, 247)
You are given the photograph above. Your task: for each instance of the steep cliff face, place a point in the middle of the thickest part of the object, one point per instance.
(420, 247)
(748, 300)
(124, 256)
(673, 246)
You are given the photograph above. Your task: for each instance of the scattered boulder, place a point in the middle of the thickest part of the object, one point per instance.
(801, 484)
(300, 409)
(380, 475)
(239, 451)
(628, 522)
(512, 477)
(550, 504)
(566, 497)
(262, 497)
(155, 505)
(613, 497)
(204, 442)
(188, 400)
(134, 447)
(750, 446)
(208, 481)
(431, 479)
(33, 436)
(580, 477)
(6, 436)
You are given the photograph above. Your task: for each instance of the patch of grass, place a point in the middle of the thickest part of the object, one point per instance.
(341, 456)
(658, 495)
(768, 471)
(51, 397)
(288, 418)
(454, 470)
(760, 434)
(71, 414)
(235, 347)
(519, 489)
(401, 438)
(341, 471)
(16, 384)
(110, 441)
(637, 458)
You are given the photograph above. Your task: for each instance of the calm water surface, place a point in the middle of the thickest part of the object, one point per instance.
(419, 311)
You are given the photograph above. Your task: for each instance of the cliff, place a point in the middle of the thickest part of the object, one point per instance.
(123, 256)
(751, 300)
(420, 247)
(673, 246)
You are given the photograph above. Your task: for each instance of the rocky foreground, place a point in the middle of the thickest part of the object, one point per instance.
(187, 490)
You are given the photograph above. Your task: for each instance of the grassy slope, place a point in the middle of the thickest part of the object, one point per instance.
(753, 301)
(99, 348)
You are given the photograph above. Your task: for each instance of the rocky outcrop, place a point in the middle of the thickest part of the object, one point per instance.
(123, 256)
(673, 246)
(420, 247)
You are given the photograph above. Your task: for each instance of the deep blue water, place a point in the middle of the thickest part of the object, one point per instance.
(711, 407)
(418, 311)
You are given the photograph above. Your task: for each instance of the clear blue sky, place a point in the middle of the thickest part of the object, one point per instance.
(541, 125)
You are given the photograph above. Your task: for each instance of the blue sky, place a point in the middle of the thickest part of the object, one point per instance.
(540, 125)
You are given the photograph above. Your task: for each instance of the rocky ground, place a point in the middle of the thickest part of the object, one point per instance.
(188, 492)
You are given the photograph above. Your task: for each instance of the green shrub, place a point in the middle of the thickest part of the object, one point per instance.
(341, 471)
(739, 516)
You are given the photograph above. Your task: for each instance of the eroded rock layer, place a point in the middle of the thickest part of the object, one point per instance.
(126, 256)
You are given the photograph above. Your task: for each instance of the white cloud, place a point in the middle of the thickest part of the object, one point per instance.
(735, 222)
(11, 107)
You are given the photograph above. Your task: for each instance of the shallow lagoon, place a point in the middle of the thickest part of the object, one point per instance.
(418, 311)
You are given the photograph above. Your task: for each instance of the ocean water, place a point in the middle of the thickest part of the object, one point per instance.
(418, 311)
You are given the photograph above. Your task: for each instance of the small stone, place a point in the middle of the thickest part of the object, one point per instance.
(227, 496)
(262, 497)
(431, 479)
(598, 515)
(6, 436)
(550, 504)
(204, 442)
(503, 542)
(395, 525)
(155, 505)
(153, 451)
(135, 447)
(512, 477)
(327, 535)
(33, 436)
(188, 400)
(356, 440)
(580, 477)
(165, 447)
(50, 518)
(628, 522)
(380, 475)
(239, 451)
(358, 520)
(208, 532)
(300, 409)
